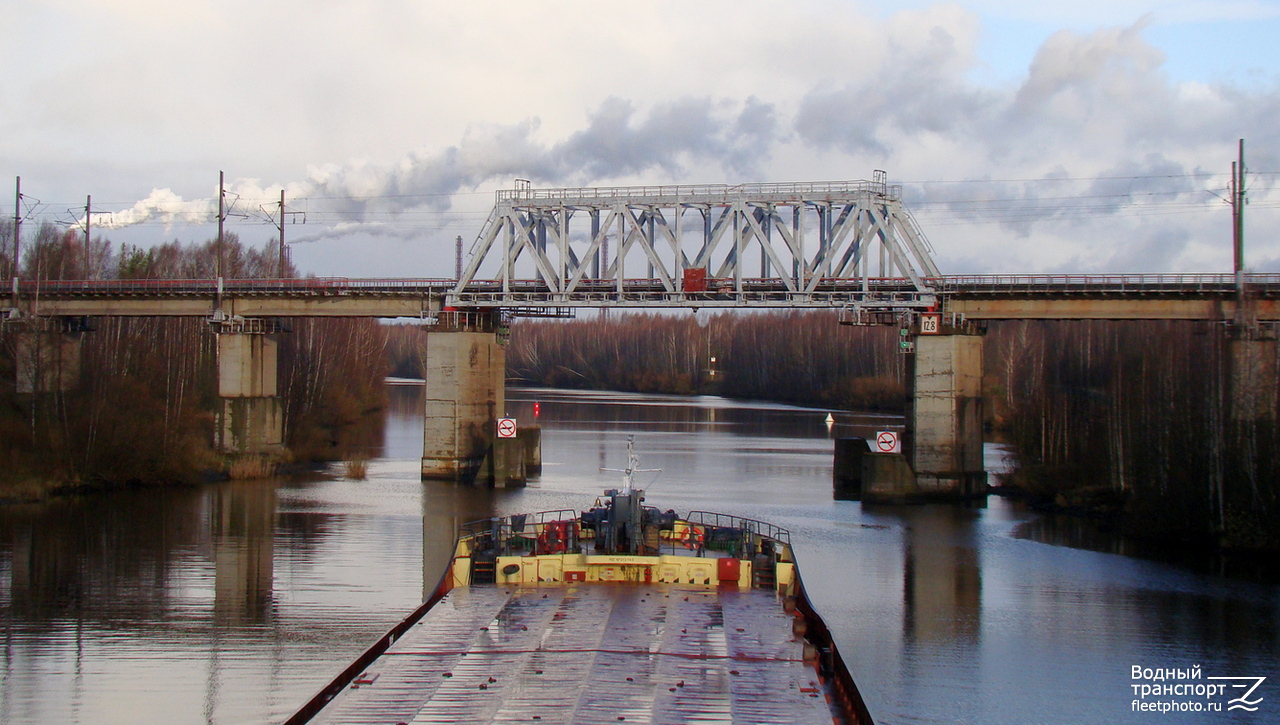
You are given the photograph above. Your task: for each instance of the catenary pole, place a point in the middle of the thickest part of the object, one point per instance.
(221, 216)
(17, 227)
(282, 234)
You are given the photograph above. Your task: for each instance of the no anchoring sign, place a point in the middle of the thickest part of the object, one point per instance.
(506, 427)
(887, 442)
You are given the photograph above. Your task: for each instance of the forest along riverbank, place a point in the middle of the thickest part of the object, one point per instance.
(1122, 421)
(141, 410)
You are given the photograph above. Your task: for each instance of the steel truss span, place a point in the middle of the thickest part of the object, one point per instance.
(710, 245)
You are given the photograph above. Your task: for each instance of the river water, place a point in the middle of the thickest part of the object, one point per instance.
(235, 602)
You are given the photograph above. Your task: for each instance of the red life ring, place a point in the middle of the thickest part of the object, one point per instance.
(693, 536)
(554, 538)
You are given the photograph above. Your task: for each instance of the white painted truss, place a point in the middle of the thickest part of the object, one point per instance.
(787, 244)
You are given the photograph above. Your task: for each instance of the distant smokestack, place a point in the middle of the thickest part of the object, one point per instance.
(458, 267)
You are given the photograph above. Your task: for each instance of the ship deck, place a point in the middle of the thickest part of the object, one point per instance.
(591, 653)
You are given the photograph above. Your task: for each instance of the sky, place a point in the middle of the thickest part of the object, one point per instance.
(1082, 137)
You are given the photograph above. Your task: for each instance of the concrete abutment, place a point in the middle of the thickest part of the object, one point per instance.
(251, 417)
(465, 380)
(945, 445)
(941, 456)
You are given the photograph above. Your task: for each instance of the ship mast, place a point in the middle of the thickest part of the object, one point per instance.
(633, 467)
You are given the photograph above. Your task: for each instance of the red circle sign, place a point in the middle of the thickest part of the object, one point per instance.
(507, 428)
(886, 441)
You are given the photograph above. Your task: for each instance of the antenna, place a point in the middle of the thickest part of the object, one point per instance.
(633, 461)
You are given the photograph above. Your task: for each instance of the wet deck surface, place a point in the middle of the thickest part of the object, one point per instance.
(591, 653)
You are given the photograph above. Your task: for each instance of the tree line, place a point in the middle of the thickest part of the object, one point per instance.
(802, 357)
(144, 405)
(1136, 417)
(795, 357)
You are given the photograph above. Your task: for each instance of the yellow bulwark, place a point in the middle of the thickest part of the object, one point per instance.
(687, 561)
(614, 568)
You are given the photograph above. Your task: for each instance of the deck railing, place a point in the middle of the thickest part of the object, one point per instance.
(559, 532)
(750, 526)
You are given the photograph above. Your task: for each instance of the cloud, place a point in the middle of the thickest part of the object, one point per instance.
(1093, 151)
(161, 205)
(618, 141)
(915, 86)
(615, 144)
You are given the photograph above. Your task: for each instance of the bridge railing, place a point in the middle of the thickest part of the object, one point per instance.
(1137, 283)
(693, 192)
(535, 291)
(237, 286)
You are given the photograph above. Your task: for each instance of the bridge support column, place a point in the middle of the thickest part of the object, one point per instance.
(945, 445)
(465, 380)
(1253, 379)
(251, 419)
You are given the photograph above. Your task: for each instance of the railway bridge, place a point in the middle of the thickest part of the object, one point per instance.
(849, 246)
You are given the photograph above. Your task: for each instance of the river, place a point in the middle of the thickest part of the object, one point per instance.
(235, 602)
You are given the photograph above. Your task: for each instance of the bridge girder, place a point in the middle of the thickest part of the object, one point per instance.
(809, 236)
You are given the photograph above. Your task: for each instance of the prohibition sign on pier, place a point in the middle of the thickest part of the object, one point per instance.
(887, 442)
(506, 427)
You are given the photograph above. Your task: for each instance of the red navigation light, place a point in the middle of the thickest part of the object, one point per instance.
(537, 409)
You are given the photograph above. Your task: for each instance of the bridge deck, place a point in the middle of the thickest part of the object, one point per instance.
(591, 653)
(1187, 297)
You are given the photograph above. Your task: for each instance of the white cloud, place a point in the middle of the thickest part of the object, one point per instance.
(390, 114)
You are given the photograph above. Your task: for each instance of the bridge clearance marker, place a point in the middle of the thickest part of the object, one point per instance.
(506, 427)
(888, 442)
(931, 323)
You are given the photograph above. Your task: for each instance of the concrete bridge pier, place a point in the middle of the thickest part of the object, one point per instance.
(941, 456)
(251, 419)
(465, 379)
(945, 444)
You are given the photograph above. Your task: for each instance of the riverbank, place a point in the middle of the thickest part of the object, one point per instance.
(1107, 513)
(16, 488)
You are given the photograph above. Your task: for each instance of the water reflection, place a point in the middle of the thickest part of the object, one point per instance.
(121, 556)
(242, 517)
(445, 507)
(599, 412)
(941, 579)
(110, 556)
(234, 602)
